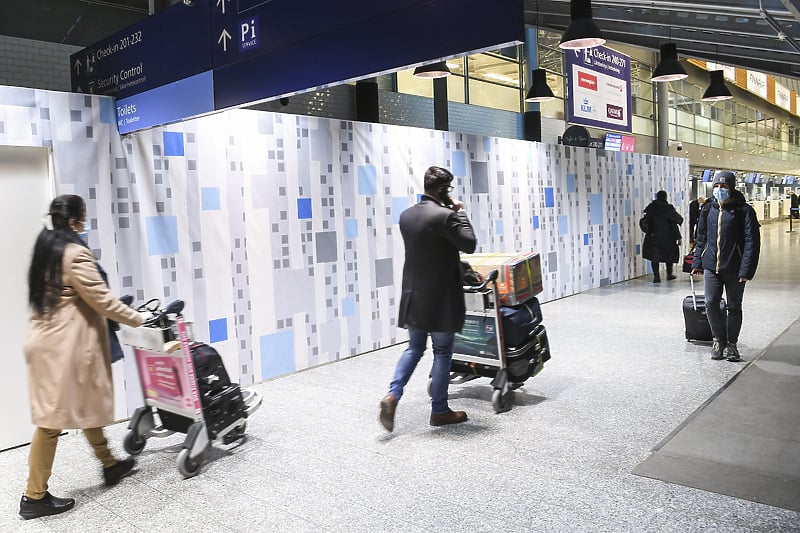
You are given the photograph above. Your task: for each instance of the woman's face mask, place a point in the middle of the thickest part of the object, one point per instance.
(721, 194)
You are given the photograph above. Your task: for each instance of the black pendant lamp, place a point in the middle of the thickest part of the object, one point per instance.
(669, 68)
(582, 32)
(539, 91)
(717, 90)
(433, 70)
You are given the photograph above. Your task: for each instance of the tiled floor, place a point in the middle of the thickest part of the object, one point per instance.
(621, 379)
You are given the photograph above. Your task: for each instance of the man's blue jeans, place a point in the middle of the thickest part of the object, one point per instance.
(734, 291)
(440, 374)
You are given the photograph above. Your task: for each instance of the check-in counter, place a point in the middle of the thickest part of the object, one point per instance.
(770, 209)
(786, 207)
(760, 208)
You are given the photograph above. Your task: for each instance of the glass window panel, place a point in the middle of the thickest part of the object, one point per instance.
(702, 138)
(493, 95)
(685, 119)
(718, 141)
(702, 123)
(717, 127)
(494, 68)
(408, 84)
(643, 126)
(552, 109)
(456, 92)
(685, 134)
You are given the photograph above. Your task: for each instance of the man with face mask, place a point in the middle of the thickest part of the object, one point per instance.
(432, 302)
(726, 253)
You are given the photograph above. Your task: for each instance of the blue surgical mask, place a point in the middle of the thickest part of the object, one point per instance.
(721, 194)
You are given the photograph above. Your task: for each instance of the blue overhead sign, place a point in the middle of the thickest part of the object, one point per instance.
(161, 49)
(247, 51)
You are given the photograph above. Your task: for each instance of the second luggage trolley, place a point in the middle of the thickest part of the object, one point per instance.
(481, 350)
(206, 407)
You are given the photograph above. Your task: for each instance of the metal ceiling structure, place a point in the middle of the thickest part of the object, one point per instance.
(762, 35)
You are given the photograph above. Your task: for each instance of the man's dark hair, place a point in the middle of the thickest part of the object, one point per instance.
(661, 195)
(435, 177)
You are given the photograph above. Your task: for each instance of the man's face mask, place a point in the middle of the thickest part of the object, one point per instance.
(721, 194)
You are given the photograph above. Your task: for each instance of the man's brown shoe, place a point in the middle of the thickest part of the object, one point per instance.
(450, 417)
(388, 406)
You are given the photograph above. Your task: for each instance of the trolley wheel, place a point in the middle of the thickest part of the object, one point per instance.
(235, 434)
(501, 402)
(133, 443)
(187, 466)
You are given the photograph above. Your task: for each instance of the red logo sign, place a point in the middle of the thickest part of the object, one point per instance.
(587, 81)
(614, 111)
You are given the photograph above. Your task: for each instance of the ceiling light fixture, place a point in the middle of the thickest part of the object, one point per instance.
(582, 32)
(433, 70)
(669, 68)
(539, 91)
(717, 90)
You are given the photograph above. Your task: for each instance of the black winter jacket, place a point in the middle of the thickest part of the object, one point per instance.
(728, 237)
(433, 294)
(661, 243)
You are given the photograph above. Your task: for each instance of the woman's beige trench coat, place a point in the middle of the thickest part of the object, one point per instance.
(68, 351)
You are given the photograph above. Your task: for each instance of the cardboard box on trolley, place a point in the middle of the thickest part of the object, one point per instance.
(520, 276)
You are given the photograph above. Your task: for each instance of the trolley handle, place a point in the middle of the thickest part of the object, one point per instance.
(491, 277)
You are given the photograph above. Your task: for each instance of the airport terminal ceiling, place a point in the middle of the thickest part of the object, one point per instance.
(760, 35)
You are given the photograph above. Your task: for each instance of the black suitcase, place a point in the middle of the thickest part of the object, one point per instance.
(520, 321)
(527, 360)
(694, 315)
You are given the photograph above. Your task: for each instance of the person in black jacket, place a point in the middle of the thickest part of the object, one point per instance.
(432, 302)
(662, 241)
(726, 253)
(694, 214)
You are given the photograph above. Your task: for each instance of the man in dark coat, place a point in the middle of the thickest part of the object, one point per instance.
(694, 214)
(726, 253)
(661, 243)
(432, 303)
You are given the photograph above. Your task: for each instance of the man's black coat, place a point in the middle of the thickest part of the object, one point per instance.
(433, 297)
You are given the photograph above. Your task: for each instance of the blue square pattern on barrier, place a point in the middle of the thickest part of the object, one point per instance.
(367, 180)
(563, 225)
(535, 221)
(277, 353)
(209, 198)
(351, 228)
(173, 143)
(399, 204)
(303, 208)
(549, 197)
(108, 113)
(586, 239)
(162, 235)
(348, 306)
(459, 162)
(218, 330)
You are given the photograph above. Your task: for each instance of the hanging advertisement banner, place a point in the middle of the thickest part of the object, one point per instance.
(599, 86)
(783, 97)
(757, 83)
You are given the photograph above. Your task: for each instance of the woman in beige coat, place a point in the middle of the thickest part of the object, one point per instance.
(67, 351)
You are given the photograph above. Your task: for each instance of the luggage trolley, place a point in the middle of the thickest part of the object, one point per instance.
(205, 409)
(480, 350)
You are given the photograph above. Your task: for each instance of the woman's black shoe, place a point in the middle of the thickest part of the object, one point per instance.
(113, 474)
(49, 505)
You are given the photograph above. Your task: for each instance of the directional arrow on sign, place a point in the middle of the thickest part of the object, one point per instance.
(222, 3)
(223, 38)
(77, 66)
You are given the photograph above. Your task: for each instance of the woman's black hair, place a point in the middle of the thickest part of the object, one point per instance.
(44, 275)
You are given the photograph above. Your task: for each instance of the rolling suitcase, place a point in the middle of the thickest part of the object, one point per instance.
(694, 314)
(519, 321)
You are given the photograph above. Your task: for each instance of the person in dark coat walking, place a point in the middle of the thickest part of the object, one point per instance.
(432, 302)
(726, 253)
(662, 241)
(694, 214)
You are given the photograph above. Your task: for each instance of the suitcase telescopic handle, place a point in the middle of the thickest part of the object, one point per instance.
(694, 297)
